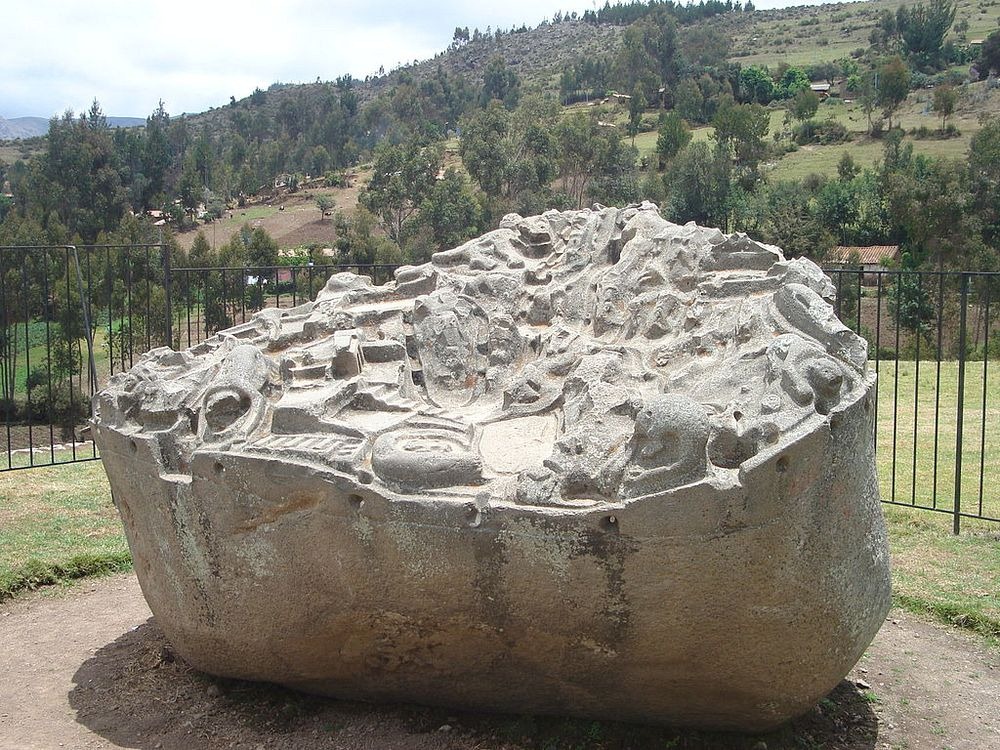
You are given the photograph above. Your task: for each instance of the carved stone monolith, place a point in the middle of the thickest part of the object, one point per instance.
(591, 463)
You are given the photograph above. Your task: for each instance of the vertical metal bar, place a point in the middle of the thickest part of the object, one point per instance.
(857, 319)
(92, 380)
(895, 383)
(69, 343)
(7, 374)
(90, 343)
(128, 293)
(204, 302)
(960, 416)
(937, 386)
(916, 393)
(149, 294)
(111, 308)
(47, 308)
(27, 357)
(878, 354)
(986, 363)
(227, 304)
(168, 293)
(187, 293)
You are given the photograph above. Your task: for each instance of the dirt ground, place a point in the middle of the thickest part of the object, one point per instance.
(86, 667)
(298, 222)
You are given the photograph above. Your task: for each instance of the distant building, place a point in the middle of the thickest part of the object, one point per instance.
(822, 90)
(870, 259)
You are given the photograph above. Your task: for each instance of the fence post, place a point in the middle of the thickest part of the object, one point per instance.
(85, 309)
(168, 293)
(960, 415)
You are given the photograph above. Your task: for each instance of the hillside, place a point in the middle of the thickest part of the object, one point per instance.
(810, 34)
(19, 128)
(536, 55)
(427, 155)
(23, 127)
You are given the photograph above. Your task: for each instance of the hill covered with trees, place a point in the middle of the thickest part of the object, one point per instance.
(807, 127)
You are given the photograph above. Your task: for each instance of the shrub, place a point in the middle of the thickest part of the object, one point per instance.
(824, 132)
(924, 133)
(335, 179)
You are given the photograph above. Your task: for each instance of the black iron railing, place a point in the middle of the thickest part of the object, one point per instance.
(934, 341)
(70, 317)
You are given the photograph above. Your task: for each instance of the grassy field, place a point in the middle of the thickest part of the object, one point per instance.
(810, 34)
(953, 578)
(58, 523)
(823, 159)
(909, 406)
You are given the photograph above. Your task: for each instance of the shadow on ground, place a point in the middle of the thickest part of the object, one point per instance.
(136, 693)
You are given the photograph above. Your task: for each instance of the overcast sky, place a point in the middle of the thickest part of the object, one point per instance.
(62, 54)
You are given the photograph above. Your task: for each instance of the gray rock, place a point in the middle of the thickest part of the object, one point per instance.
(590, 463)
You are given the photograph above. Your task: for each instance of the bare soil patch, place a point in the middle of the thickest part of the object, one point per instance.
(292, 219)
(88, 668)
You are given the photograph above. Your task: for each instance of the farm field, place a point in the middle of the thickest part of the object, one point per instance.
(809, 34)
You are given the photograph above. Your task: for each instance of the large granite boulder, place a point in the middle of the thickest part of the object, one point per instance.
(591, 463)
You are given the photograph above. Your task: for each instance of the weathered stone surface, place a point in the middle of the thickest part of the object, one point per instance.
(591, 463)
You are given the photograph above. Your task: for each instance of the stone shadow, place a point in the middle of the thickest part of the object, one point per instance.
(135, 692)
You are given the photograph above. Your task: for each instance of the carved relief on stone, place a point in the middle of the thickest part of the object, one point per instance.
(544, 455)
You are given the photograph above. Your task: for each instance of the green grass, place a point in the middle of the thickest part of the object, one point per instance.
(823, 160)
(646, 143)
(953, 578)
(57, 524)
(807, 35)
(908, 409)
(820, 159)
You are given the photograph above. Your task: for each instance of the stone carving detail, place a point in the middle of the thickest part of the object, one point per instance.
(591, 462)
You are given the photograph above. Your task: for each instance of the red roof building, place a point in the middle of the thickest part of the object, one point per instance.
(872, 255)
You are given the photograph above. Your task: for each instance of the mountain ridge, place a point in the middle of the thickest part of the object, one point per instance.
(33, 127)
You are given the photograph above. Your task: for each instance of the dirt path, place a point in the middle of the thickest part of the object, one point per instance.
(88, 668)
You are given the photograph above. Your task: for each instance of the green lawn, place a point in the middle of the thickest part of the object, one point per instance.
(907, 409)
(953, 578)
(57, 523)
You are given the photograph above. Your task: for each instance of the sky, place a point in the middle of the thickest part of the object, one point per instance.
(63, 54)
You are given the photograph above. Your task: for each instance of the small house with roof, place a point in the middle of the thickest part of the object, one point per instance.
(870, 259)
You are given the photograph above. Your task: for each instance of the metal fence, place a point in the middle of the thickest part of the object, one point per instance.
(934, 341)
(70, 317)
